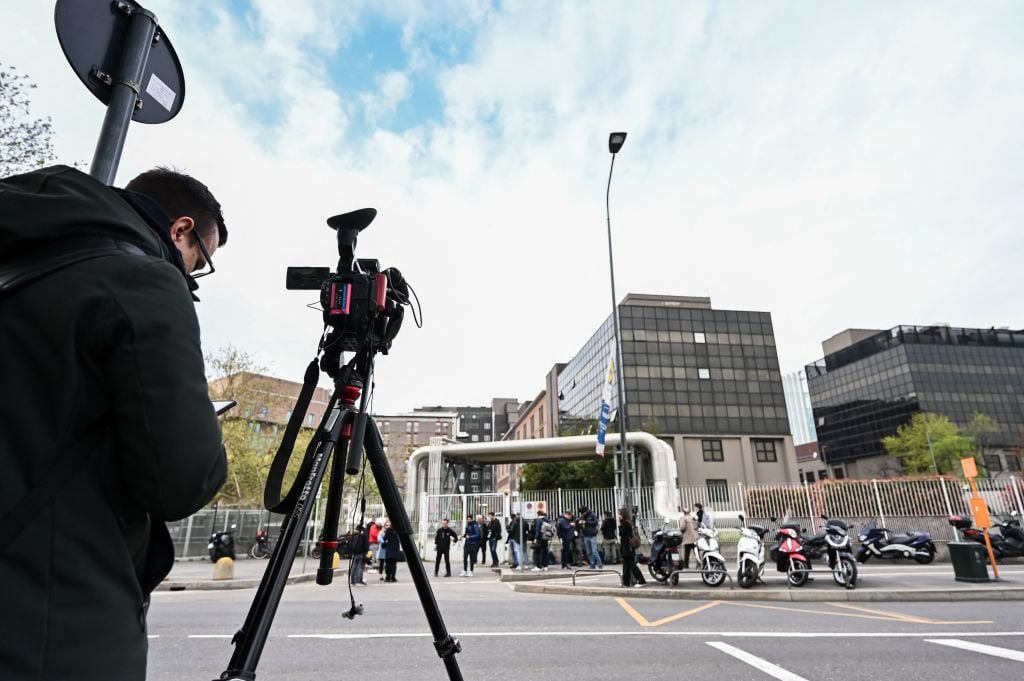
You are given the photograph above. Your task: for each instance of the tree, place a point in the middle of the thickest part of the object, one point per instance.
(911, 445)
(25, 143)
(980, 429)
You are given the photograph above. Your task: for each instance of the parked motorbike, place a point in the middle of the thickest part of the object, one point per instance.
(261, 548)
(750, 554)
(708, 557)
(222, 544)
(835, 545)
(878, 542)
(664, 558)
(789, 555)
(1009, 543)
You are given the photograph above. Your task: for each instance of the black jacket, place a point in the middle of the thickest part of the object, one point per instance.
(444, 537)
(626, 532)
(494, 529)
(392, 545)
(109, 345)
(608, 528)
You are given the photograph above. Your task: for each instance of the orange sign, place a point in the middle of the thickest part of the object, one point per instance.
(979, 509)
(970, 468)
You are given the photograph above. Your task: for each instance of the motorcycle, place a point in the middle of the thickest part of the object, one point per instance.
(708, 557)
(789, 555)
(877, 542)
(750, 554)
(261, 548)
(664, 558)
(1009, 543)
(222, 544)
(835, 544)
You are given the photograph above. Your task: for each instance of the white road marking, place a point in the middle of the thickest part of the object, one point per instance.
(211, 636)
(767, 667)
(646, 632)
(980, 648)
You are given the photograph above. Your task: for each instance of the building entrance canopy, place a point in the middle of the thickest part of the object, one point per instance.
(666, 491)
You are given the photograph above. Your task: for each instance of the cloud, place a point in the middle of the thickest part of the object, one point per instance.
(835, 165)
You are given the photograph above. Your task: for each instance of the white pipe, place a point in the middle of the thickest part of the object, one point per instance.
(555, 448)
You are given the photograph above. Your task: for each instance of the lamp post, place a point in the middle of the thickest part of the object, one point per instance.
(615, 142)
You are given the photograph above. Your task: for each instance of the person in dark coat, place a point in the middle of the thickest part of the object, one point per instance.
(493, 537)
(100, 361)
(566, 533)
(358, 546)
(472, 536)
(609, 538)
(392, 550)
(485, 530)
(442, 544)
(631, 574)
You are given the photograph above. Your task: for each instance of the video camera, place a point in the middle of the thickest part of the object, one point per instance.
(362, 304)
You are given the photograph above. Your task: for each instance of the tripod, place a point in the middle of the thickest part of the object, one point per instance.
(344, 427)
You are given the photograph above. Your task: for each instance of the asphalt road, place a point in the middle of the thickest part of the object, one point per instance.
(515, 635)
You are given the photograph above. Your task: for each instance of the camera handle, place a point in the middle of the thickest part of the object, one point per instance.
(333, 438)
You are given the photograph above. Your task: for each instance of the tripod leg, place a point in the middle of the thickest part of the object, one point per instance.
(446, 645)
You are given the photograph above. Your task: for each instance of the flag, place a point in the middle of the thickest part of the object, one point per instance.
(606, 399)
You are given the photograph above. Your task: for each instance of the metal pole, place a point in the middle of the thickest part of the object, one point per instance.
(125, 86)
(878, 500)
(1016, 492)
(949, 507)
(810, 506)
(188, 536)
(615, 329)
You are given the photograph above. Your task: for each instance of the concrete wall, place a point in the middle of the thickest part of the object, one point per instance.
(739, 460)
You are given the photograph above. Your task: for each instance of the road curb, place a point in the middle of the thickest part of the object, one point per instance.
(220, 585)
(793, 595)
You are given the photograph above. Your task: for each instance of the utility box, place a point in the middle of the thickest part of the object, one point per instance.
(970, 562)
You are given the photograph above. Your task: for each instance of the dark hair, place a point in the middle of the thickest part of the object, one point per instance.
(627, 517)
(182, 195)
(699, 505)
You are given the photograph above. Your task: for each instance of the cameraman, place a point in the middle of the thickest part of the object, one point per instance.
(107, 429)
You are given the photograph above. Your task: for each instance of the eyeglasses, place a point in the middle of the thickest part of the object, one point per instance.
(206, 258)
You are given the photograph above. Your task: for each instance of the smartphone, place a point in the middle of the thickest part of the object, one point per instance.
(221, 406)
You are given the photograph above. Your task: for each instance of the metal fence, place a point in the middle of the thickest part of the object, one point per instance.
(900, 504)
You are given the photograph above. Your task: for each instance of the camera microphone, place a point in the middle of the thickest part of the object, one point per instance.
(351, 613)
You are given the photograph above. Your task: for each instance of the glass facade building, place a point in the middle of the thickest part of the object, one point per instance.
(864, 392)
(687, 369)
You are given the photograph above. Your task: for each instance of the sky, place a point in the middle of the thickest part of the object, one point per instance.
(841, 164)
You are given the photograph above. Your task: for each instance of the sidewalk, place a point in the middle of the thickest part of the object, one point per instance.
(892, 582)
(196, 574)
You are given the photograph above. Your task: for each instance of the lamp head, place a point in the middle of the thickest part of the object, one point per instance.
(615, 141)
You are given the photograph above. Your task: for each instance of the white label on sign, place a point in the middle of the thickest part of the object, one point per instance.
(163, 95)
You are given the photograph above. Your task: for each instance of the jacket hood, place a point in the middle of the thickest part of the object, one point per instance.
(60, 202)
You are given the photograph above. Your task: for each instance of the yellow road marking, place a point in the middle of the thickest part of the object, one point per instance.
(644, 622)
(815, 612)
(915, 619)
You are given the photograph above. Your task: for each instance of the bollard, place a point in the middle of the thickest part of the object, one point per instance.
(224, 569)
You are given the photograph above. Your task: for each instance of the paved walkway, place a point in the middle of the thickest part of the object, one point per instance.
(198, 574)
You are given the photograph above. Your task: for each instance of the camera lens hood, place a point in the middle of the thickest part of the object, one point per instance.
(357, 219)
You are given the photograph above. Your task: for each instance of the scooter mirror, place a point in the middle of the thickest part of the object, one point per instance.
(742, 520)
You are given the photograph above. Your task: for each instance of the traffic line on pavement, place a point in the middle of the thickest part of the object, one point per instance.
(211, 636)
(649, 632)
(914, 619)
(1006, 653)
(767, 667)
(644, 622)
(815, 612)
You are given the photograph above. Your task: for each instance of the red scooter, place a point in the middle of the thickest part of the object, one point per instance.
(789, 555)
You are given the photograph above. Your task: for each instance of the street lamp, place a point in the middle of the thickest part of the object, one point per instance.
(615, 142)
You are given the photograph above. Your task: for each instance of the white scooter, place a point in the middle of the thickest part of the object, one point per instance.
(750, 554)
(709, 559)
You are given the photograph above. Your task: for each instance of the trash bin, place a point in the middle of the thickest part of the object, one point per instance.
(970, 562)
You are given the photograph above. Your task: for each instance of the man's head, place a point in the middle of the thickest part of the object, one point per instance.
(479, 518)
(490, 514)
(197, 226)
(444, 523)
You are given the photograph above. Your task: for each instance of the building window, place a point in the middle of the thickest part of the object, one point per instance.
(993, 463)
(387, 427)
(475, 438)
(809, 478)
(712, 450)
(475, 475)
(764, 451)
(704, 373)
(698, 337)
(264, 412)
(309, 419)
(416, 427)
(838, 473)
(718, 490)
(1012, 462)
(487, 438)
(487, 425)
(408, 426)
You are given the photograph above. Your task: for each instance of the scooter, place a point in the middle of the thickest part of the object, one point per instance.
(834, 543)
(708, 557)
(750, 554)
(664, 557)
(877, 542)
(1009, 543)
(222, 544)
(789, 554)
(261, 548)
